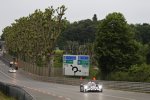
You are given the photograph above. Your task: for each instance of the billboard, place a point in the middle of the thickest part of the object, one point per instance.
(76, 65)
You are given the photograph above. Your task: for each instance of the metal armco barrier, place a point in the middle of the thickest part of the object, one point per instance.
(15, 91)
(128, 86)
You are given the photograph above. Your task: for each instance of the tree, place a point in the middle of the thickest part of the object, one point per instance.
(94, 18)
(82, 32)
(143, 33)
(35, 36)
(115, 47)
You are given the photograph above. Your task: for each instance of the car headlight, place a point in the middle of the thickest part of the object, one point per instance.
(100, 86)
(85, 86)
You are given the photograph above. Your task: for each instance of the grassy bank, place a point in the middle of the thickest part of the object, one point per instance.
(4, 97)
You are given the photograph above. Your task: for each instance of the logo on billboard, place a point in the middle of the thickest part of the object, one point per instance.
(75, 69)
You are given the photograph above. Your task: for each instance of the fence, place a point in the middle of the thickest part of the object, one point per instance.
(32, 68)
(15, 91)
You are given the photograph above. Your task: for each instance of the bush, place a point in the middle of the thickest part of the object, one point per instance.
(118, 76)
(137, 73)
(140, 73)
(58, 58)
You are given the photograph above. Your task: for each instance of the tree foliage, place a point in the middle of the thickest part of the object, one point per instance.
(142, 32)
(35, 36)
(82, 32)
(137, 73)
(115, 47)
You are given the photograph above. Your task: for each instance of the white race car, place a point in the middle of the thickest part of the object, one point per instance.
(12, 70)
(91, 86)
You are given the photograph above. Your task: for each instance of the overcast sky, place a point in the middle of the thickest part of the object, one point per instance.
(135, 11)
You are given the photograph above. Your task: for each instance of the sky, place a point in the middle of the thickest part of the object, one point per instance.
(135, 11)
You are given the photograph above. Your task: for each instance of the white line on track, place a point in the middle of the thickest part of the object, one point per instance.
(6, 75)
(60, 96)
(44, 92)
(68, 99)
(119, 97)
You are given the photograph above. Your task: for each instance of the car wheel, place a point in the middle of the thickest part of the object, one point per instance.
(81, 89)
(84, 90)
(101, 90)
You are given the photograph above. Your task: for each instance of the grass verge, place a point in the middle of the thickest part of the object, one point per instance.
(4, 97)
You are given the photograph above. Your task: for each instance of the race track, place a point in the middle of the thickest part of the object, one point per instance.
(52, 91)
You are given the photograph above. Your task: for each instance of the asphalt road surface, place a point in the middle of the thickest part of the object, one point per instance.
(52, 91)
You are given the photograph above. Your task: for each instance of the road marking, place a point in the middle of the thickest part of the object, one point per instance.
(6, 75)
(49, 93)
(68, 99)
(53, 94)
(119, 97)
(13, 79)
(44, 92)
(60, 96)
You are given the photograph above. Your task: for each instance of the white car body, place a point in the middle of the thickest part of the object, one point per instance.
(12, 70)
(91, 87)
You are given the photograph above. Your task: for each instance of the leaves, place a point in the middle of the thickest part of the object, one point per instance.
(35, 36)
(115, 48)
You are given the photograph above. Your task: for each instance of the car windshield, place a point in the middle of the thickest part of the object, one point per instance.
(91, 83)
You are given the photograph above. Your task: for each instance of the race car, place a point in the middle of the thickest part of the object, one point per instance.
(11, 70)
(91, 86)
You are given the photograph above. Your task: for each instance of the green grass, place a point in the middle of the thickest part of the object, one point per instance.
(4, 97)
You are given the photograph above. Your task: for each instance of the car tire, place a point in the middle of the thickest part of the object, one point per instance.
(81, 89)
(101, 90)
(84, 90)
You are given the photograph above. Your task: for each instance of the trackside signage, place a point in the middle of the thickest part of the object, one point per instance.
(76, 65)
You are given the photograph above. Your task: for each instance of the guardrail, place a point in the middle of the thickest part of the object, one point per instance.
(15, 91)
